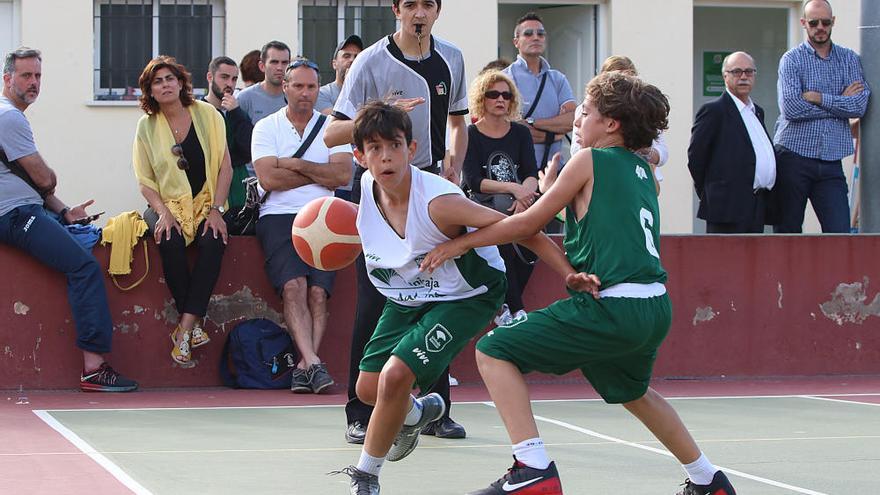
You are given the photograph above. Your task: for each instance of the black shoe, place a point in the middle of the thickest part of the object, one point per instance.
(319, 378)
(523, 480)
(299, 381)
(361, 483)
(720, 486)
(106, 379)
(445, 428)
(356, 433)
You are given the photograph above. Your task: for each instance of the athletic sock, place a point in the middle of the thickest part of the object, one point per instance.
(414, 414)
(370, 464)
(701, 471)
(532, 453)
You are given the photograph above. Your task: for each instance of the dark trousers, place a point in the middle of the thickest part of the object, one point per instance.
(753, 224)
(367, 312)
(517, 272)
(191, 289)
(32, 230)
(799, 178)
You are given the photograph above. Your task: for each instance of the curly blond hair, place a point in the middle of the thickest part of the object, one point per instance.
(482, 83)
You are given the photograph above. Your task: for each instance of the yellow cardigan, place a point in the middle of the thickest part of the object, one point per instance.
(156, 167)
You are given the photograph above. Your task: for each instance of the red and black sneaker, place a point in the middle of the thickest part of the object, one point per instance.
(523, 480)
(720, 486)
(106, 379)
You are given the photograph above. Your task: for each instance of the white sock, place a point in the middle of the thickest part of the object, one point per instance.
(414, 414)
(532, 453)
(701, 471)
(370, 464)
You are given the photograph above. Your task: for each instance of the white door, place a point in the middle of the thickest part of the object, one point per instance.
(571, 47)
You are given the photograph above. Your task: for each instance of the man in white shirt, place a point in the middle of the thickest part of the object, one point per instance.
(291, 183)
(731, 157)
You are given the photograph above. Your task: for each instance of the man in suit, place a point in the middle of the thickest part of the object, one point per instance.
(731, 157)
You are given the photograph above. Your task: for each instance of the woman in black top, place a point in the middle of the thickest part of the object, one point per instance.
(500, 159)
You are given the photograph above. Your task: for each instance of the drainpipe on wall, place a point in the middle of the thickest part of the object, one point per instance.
(869, 155)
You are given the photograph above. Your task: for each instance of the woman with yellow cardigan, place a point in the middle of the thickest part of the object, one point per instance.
(184, 170)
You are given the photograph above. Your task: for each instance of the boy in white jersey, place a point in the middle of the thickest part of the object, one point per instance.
(428, 319)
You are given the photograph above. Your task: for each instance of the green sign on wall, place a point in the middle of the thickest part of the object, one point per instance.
(713, 81)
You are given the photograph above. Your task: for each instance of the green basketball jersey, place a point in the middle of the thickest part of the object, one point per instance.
(619, 237)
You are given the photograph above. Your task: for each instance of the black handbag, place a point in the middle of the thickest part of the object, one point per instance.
(244, 221)
(500, 202)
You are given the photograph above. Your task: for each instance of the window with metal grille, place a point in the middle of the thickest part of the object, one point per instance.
(324, 23)
(128, 33)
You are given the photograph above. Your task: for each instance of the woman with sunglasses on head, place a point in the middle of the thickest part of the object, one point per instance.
(184, 170)
(500, 159)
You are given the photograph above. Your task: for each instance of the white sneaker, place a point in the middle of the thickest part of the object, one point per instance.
(453, 382)
(519, 316)
(503, 318)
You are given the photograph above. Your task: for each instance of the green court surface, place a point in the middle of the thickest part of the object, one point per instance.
(768, 445)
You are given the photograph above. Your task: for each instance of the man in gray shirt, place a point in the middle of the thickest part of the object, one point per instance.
(548, 102)
(27, 191)
(267, 97)
(346, 52)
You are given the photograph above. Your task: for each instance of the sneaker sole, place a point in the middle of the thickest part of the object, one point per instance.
(301, 390)
(101, 388)
(323, 387)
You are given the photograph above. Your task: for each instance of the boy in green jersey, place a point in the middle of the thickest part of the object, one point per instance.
(611, 336)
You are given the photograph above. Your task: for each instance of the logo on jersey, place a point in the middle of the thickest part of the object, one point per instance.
(420, 354)
(384, 275)
(640, 173)
(438, 338)
(397, 94)
(441, 89)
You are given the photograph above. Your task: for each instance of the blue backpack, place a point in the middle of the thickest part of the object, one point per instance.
(261, 352)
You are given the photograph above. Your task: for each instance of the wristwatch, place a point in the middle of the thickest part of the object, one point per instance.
(531, 121)
(220, 209)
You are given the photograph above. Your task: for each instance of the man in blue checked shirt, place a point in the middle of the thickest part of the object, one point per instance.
(821, 87)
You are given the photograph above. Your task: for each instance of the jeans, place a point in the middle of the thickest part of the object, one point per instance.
(799, 178)
(31, 229)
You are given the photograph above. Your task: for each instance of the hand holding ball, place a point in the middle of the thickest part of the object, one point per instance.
(325, 233)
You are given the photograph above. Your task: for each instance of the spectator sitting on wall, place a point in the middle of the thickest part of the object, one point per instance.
(27, 191)
(293, 182)
(183, 167)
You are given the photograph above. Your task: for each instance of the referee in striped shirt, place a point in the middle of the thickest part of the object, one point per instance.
(821, 87)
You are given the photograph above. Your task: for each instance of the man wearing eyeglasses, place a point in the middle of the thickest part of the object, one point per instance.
(291, 183)
(548, 102)
(821, 86)
(731, 156)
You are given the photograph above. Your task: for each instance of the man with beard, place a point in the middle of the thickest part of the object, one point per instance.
(821, 87)
(222, 77)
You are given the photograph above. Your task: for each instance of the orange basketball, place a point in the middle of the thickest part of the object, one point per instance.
(325, 235)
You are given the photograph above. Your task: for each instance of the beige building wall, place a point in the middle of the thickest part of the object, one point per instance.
(89, 144)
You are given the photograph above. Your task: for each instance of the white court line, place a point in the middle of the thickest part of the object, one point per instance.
(654, 450)
(825, 398)
(96, 456)
(537, 401)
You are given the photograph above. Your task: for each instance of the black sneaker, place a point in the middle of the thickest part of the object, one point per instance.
(356, 433)
(407, 440)
(720, 486)
(361, 483)
(299, 381)
(445, 428)
(523, 480)
(319, 379)
(106, 379)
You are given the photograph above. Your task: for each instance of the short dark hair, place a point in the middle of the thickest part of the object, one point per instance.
(497, 64)
(377, 118)
(149, 104)
(528, 16)
(215, 64)
(278, 45)
(250, 67)
(641, 108)
(19, 54)
(396, 4)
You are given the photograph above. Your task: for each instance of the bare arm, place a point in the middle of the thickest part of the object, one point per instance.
(561, 123)
(43, 176)
(339, 132)
(331, 175)
(224, 179)
(274, 177)
(458, 138)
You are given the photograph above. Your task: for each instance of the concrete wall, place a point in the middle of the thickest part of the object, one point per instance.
(89, 146)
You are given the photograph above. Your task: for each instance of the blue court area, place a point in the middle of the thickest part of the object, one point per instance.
(779, 444)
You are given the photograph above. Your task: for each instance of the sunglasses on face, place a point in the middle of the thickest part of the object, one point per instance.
(493, 95)
(815, 22)
(740, 72)
(528, 33)
(182, 163)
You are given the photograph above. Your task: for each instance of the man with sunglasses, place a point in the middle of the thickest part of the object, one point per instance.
(548, 102)
(425, 76)
(821, 86)
(292, 182)
(731, 156)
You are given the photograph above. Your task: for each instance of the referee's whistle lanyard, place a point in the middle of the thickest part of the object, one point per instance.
(419, 35)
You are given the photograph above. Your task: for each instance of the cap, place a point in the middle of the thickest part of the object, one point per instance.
(351, 40)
